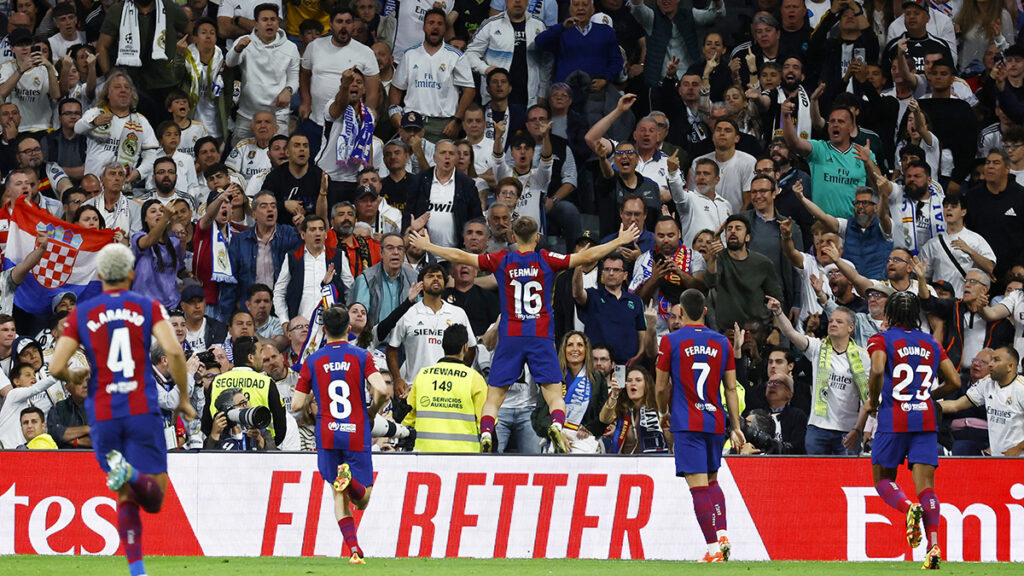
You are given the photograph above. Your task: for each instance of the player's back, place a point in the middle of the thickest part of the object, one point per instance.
(697, 358)
(911, 371)
(116, 330)
(526, 283)
(335, 374)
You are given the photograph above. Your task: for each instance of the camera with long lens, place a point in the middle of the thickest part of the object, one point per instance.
(253, 417)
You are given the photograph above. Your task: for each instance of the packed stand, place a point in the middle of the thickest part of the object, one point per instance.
(796, 161)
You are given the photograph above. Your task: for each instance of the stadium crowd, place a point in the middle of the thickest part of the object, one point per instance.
(797, 161)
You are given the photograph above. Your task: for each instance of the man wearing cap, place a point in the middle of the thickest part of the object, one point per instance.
(375, 211)
(29, 81)
(839, 376)
(410, 132)
(913, 26)
(435, 80)
(201, 331)
(939, 24)
(443, 199)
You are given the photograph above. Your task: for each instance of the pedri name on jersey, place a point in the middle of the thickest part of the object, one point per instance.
(130, 316)
(332, 366)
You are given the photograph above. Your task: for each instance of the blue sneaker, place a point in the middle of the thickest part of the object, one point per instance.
(120, 470)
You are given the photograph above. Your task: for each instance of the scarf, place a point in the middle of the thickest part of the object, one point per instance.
(362, 252)
(803, 112)
(683, 258)
(220, 264)
(315, 336)
(355, 137)
(577, 399)
(908, 221)
(129, 53)
(204, 75)
(860, 377)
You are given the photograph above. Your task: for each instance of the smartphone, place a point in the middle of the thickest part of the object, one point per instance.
(37, 49)
(620, 375)
(859, 54)
(999, 58)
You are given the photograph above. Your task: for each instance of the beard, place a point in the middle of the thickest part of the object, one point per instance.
(864, 220)
(734, 244)
(915, 192)
(790, 86)
(703, 189)
(345, 230)
(165, 187)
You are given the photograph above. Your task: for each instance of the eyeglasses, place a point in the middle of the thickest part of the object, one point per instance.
(661, 125)
(875, 295)
(975, 282)
(894, 260)
(394, 248)
(863, 203)
(30, 150)
(536, 119)
(613, 269)
(1011, 147)
(625, 152)
(299, 327)
(241, 404)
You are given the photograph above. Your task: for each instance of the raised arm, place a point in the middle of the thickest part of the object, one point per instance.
(598, 130)
(793, 140)
(422, 241)
(21, 271)
(830, 222)
(579, 293)
(795, 257)
(860, 283)
(595, 253)
(784, 325)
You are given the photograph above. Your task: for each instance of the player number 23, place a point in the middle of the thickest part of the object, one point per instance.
(904, 375)
(340, 407)
(528, 297)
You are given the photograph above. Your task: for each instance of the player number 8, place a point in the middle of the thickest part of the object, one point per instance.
(340, 406)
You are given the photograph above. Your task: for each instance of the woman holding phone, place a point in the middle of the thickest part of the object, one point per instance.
(634, 415)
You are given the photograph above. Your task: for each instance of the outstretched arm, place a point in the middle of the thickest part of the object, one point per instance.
(595, 253)
(795, 142)
(598, 130)
(860, 283)
(422, 241)
(784, 325)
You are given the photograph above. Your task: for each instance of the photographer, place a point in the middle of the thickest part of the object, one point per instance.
(759, 430)
(259, 389)
(237, 426)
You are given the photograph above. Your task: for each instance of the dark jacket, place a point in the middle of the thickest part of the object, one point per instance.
(296, 271)
(465, 208)
(242, 252)
(657, 42)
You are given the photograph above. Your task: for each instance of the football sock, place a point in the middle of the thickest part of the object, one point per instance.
(705, 514)
(893, 495)
(558, 417)
(487, 424)
(348, 531)
(146, 491)
(718, 501)
(930, 506)
(129, 528)
(356, 491)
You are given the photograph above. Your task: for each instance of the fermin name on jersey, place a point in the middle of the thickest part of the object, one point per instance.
(924, 353)
(520, 272)
(706, 350)
(130, 316)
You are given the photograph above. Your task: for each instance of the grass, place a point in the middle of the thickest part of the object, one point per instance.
(193, 566)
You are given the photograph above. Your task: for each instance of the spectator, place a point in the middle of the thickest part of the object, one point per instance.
(651, 162)
(33, 428)
(764, 48)
(585, 393)
(68, 35)
(1002, 395)
(117, 134)
(768, 233)
(610, 312)
(790, 421)
(190, 131)
(348, 147)
(420, 331)
(736, 168)
(18, 396)
(664, 272)
(258, 253)
(165, 184)
(840, 382)
(743, 278)
(622, 181)
(201, 331)
(211, 265)
(507, 42)
(29, 81)
(295, 182)
(205, 67)
(969, 427)
(65, 148)
(957, 250)
(433, 79)
(298, 288)
(995, 209)
(499, 222)
(580, 44)
(250, 156)
(159, 256)
(373, 210)
(634, 415)
(395, 186)
(259, 303)
(700, 208)
(117, 211)
(68, 422)
(269, 67)
(923, 28)
(148, 60)
(865, 238)
(480, 305)
(381, 287)
(362, 252)
(443, 199)
(672, 36)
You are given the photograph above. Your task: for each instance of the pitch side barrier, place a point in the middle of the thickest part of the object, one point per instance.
(779, 508)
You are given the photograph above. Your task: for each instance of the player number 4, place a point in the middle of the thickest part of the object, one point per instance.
(904, 375)
(340, 407)
(119, 357)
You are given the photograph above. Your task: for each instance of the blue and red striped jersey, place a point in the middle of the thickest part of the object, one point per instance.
(697, 358)
(525, 284)
(912, 361)
(336, 374)
(116, 330)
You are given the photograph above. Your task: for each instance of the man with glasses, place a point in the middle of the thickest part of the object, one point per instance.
(633, 211)
(560, 206)
(865, 237)
(64, 146)
(769, 231)
(52, 180)
(1013, 143)
(383, 286)
(610, 312)
(296, 331)
(651, 162)
(618, 179)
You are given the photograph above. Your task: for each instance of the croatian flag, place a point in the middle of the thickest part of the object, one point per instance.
(68, 265)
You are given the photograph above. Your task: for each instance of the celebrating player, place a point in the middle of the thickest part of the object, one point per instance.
(335, 374)
(116, 329)
(526, 330)
(693, 363)
(904, 365)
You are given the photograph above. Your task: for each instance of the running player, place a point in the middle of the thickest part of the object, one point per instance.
(117, 329)
(904, 365)
(525, 279)
(693, 363)
(336, 374)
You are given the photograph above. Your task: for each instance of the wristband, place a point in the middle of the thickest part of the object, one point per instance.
(395, 110)
(75, 443)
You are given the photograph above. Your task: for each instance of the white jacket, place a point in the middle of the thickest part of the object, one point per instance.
(266, 70)
(494, 45)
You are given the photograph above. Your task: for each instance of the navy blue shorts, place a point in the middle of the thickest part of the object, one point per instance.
(537, 353)
(359, 463)
(891, 449)
(140, 439)
(698, 452)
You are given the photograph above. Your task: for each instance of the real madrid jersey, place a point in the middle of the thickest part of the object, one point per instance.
(420, 330)
(32, 96)
(248, 159)
(122, 140)
(430, 80)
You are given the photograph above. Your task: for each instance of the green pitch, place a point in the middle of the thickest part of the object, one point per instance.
(166, 566)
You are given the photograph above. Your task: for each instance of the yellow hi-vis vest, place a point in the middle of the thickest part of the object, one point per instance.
(254, 385)
(446, 401)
